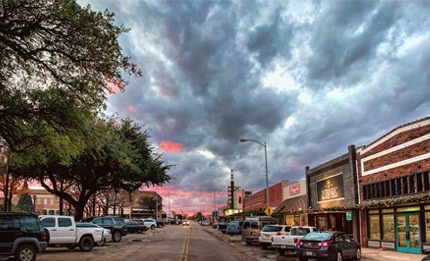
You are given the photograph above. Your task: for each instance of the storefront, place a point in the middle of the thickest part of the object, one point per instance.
(403, 229)
(394, 175)
(333, 196)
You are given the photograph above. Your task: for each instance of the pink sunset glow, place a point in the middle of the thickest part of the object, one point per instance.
(170, 146)
(131, 108)
(178, 200)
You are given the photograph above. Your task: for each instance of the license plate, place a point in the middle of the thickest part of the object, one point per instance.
(283, 246)
(307, 253)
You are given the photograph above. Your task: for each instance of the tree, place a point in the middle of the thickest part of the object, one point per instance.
(123, 160)
(57, 61)
(25, 203)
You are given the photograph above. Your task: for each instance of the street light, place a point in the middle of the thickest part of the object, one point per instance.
(34, 203)
(267, 171)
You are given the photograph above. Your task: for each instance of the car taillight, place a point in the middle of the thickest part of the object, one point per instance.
(296, 240)
(278, 233)
(43, 236)
(324, 244)
(299, 243)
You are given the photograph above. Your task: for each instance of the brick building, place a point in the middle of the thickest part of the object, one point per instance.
(394, 189)
(332, 193)
(257, 201)
(292, 210)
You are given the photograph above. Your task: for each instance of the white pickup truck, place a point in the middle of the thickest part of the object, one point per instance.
(287, 242)
(62, 231)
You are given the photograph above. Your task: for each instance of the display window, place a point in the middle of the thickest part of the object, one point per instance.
(388, 230)
(374, 227)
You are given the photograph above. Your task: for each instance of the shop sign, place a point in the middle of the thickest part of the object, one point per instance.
(330, 188)
(294, 189)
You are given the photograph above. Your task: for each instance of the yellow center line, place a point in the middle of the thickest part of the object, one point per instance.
(184, 256)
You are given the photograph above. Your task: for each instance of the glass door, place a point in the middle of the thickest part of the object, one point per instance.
(408, 233)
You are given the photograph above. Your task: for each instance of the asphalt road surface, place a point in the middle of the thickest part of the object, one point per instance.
(171, 243)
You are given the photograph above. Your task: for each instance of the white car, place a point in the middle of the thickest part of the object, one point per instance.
(185, 223)
(150, 223)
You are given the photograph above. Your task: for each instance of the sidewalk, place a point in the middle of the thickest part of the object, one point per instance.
(387, 255)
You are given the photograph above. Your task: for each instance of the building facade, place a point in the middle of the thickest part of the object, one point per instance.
(292, 210)
(394, 189)
(332, 190)
(257, 202)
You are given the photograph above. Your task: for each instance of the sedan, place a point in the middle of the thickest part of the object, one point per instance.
(134, 227)
(336, 246)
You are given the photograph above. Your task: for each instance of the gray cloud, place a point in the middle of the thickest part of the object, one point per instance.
(308, 78)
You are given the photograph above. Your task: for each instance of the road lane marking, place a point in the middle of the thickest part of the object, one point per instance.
(184, 256)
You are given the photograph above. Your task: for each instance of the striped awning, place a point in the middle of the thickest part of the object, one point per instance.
(295, 204)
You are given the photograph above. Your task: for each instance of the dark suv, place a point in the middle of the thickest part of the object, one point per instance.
(21, 235)
(117, 225)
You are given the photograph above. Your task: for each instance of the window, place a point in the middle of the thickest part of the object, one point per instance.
(412, 188)
(64, 222)
(388, 227)
(48, 222)
(393, 187)
(387, 188)
(254, 224)
(420, 182)
(374, 231)
(426, 181)
(405, 185)
(399, 186)
(427, 222)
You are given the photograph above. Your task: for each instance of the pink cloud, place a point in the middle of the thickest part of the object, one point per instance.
(113, 88)
(131, 108)
(171, 146)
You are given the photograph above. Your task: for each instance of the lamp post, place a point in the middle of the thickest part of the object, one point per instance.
(267, 171)
(34, 203)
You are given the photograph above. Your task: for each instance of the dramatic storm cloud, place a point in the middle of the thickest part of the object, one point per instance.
(308, 78)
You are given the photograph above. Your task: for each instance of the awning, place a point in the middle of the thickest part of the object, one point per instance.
(295, 204)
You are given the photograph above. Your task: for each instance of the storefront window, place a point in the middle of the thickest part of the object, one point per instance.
(322, 223)
(289, 220)
(374, 232)
(388, 227)
(427, 215)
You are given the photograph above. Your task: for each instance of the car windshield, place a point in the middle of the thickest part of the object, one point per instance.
(320, 236)
(271, 229)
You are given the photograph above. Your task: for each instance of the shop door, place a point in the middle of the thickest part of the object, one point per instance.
(408, 233)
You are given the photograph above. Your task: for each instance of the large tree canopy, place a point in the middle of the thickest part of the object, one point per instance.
(56, 58)
(124, 160)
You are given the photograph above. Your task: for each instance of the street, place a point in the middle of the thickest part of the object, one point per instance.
(172, 242)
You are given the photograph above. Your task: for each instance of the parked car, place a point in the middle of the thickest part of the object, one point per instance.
(21, 235)
(222, 226)
(186, 223)
(150, 223)
(141, 223)
(116, 225)
(160, 223)
(234, 227)
(287, 241)
(63, 231)
(134, 227)
(252, 226)
(107, 234)
(328, 246)
(265, 238)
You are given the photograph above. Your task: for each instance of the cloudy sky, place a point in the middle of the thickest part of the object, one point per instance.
(308, 78)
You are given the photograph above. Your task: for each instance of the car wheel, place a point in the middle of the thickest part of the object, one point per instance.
(139, 231)
(357, 254)
(338, 256)
(101, 242)
(303, 258)
(152, 227)
(116, 236)
(25, 253)
(264, 246)
(281, 252)
(86, 244)
(248, 243)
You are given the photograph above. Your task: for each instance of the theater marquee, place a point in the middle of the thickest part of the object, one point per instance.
(330, 188)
